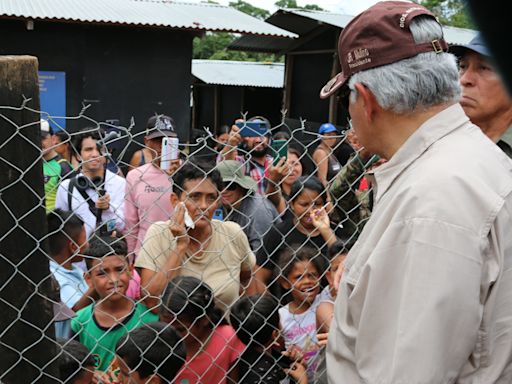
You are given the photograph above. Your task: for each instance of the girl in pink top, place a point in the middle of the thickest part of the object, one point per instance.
(212, 347)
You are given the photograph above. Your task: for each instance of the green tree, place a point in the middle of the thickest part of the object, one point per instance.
(293, 4)
(286, 4)
(313, 7)
(213, 45)
(454, 13)
(250, 9)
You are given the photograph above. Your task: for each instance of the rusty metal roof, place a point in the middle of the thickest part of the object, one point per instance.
(156, 13)
(239, 73)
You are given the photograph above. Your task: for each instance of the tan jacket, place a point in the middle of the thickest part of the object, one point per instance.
(426, 295)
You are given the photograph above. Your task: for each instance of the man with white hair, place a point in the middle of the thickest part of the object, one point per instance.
(425, 295)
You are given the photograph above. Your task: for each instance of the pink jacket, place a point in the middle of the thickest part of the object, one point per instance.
(147, 200)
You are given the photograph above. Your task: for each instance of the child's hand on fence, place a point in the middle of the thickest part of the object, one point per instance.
(178, 228)
(294, 353)
(100, 378)
(278, 172)
(298, 373)
(103, 202)
(322, 339)
(297, 369)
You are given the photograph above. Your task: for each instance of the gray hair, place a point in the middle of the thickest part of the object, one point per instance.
(423, 81)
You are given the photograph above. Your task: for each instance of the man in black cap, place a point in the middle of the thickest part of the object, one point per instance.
(149, 186)
(484, 96)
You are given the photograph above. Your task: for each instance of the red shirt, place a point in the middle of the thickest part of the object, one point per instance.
(212, 364)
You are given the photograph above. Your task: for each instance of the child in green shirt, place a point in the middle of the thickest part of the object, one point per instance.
(99, 326)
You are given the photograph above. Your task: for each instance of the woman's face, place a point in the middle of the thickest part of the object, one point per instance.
(295, 169)
(306, 203)
(330, 139)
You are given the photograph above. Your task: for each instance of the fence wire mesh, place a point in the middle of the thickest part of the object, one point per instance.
(205, 262)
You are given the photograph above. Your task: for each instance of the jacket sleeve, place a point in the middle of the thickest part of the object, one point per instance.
(415, 302)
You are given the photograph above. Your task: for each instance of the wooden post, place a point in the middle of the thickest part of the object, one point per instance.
(26, 331)
(288, 76)
(216, 108)
(333, 100)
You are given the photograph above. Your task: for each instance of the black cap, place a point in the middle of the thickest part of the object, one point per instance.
(160, 126)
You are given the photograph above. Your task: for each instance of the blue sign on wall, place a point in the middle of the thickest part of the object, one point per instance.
(52, 91)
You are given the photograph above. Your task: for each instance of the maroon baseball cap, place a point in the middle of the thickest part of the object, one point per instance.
(379, 36)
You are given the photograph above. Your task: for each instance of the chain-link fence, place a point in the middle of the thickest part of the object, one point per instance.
(232, 239)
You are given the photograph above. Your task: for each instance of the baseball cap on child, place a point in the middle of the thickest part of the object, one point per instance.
(379, 36)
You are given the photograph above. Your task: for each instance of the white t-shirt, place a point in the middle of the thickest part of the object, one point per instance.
(300, 331)
(114, 185)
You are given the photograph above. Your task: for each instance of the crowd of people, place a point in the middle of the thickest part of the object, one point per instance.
(389, 267)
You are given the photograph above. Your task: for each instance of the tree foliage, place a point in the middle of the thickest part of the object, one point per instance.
(213, 46)
(293, 4)
(454, 13)
(250, 9)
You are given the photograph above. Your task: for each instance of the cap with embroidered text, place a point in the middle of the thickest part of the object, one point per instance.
(379, 36)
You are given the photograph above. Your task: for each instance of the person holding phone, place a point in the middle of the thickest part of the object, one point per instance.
(148, 187)
(254, 150)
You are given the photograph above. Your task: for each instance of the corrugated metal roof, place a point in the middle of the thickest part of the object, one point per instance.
(295, 23)
(239, 73)
(458, 35)
(335, 19)
(171, 14)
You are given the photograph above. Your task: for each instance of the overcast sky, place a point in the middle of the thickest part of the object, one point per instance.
(349, 7)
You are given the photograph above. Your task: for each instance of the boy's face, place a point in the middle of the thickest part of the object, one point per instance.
(110, 277)
(127, 376)
(336, 263)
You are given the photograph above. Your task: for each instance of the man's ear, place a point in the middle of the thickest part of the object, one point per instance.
(72, 247)
(370, 104)
(88, 278)
(174, 199)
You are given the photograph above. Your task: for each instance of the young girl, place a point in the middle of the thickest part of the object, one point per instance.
(308, 225)
(301, 274)
(212, 347)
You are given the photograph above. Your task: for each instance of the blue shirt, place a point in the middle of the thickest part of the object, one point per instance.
(72, 288)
